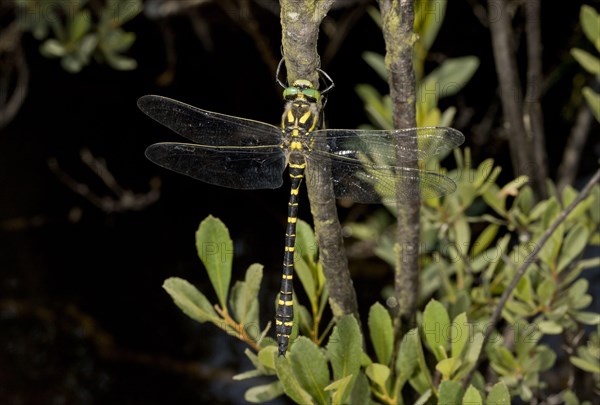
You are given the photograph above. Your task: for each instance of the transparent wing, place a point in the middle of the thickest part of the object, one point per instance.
(386, 147)
(208, 128)
(374, 184)
(366, 166)
(233, 167)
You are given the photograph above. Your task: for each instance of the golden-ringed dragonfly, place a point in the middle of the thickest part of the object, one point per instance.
(365, 165)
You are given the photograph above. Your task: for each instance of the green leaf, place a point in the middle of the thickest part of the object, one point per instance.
(87, 45)
(72, 63)
(375, 105)
(341, 390)
(451, 76)
(462, 234)
(263, 393)
(498, 395)
(585, 365)
(525, 200)
(119, 62)
(582, 302)
(486, 176)
(472, 397)
(549, 251)
(485, 238)
(527, 336)
(306, 243)
(593, 100)
(117, 40)
(524, 290)
(345, 348)
(79, 25)
(587, 61)
(247, 375)
(291, 384)
(422, 400)
(507, 358)
(422, 379)
(375, 15)
(127, 10)
(578, 289)
(446, 367)
(377, 63)
(51, 48)
(191, 301)
(450, 393)
(590, 21)
(305, 275)
(432, 17)
(587, 318)
(266, 357)
(381, 332)
(570, 398)
(310, 368)
(549, 328)
(494, 199)
(459, 334)
(361, 392)
(543, 360)
(574, 243)
(378, 373)
(407, 361)
(304, 318)
(462, 304)
(255, 361)
(436, 324)
(244, 299)
(546, 290)
(474, 348)
(215, 249)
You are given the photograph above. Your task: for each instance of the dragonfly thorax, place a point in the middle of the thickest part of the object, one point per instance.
(299, 119)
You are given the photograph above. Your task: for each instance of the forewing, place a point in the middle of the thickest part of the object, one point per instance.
(235, 167)
(206, 127)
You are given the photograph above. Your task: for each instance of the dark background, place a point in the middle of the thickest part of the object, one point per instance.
(83, 317)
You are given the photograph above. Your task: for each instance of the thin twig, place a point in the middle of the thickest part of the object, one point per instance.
(126, 200)
(491, 326)
(161, 9)
(338, 31)
(479, 12)
(241, 13)
(567, 171)
(11, 101)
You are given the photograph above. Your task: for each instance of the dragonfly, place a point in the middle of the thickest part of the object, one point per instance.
(365, 166)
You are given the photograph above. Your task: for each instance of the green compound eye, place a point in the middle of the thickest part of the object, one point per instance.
(290, 93)
(312, 94)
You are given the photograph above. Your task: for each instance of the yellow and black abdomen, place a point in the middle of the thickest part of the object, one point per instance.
(285, 310)
(299, 119)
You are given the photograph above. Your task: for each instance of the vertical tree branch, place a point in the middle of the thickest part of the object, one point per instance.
(300, 20)
(534, 120)
(398, 32)
(510, 94)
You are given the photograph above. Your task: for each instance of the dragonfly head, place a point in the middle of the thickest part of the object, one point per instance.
(302, 90)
